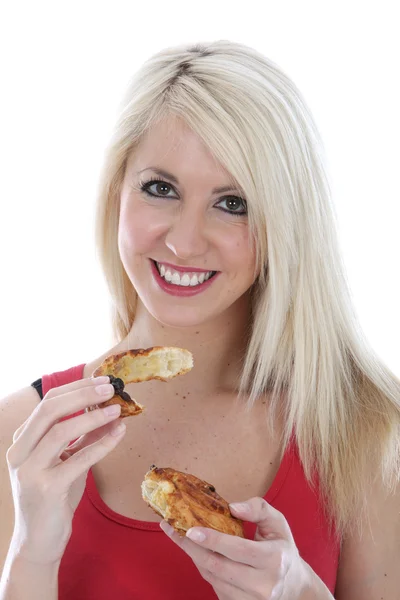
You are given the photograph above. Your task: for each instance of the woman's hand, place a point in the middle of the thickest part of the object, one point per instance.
(268, 568)
(48, 477)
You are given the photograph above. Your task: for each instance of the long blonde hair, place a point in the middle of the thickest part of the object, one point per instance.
(342, 403)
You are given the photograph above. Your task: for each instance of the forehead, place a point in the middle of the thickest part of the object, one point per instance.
(172, 145)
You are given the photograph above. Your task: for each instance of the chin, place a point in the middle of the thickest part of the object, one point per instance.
(178, 316)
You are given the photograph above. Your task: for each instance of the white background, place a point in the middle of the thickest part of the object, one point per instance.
(64, 68)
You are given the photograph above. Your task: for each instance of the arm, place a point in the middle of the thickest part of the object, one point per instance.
(47, 476)
(19, 580)
(369, 567)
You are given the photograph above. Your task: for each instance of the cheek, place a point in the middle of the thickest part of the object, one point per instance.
(240, 253)
(139, 230)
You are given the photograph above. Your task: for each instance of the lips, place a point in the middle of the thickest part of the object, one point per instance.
(182, 283)
(183, 277)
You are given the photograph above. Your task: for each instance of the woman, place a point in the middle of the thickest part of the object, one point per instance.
(216, 234)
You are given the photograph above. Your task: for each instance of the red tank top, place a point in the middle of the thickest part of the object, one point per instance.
(112, 556)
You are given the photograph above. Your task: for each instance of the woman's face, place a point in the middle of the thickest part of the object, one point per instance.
(184, 245)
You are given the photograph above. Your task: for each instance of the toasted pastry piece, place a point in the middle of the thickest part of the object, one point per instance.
(186, 501)
(135, 366)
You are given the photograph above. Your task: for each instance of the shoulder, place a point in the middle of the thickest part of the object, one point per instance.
(370, 555)
(14, 410)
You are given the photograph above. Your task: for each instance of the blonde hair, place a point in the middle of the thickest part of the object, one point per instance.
(342, 404)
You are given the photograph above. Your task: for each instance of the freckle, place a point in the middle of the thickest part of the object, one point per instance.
(176, 394)
(168, 420)
(197, 332)
(184, 397)
(154, 429)
(195, 458)
(270, 463)
(139, 456)
(130, 448)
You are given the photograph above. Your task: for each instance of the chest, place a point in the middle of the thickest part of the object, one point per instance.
(230, 449)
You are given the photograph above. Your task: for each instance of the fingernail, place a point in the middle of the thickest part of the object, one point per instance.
(112, 410)
(101, 379)
(105, 389)
(166, 527)
(118, 430)
(241, 507)
(195, 535)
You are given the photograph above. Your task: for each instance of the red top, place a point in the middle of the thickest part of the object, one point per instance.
(112, 556)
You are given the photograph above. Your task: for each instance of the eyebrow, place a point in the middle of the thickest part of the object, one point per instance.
(163, 173)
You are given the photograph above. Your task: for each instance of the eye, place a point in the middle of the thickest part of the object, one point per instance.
(159, 188)
(233, 205)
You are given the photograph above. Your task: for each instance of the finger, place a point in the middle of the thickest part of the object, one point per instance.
(75, 385)
(271, 524)
(88, 438)
(63, 389)
(226, 590)
(215, 568)
(48, 451)
(51, 410)
(18, 431)
(240, 550)
(67, 472)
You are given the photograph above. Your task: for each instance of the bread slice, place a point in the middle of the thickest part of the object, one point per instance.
(143, 364)
(158, 362)
(186, 501)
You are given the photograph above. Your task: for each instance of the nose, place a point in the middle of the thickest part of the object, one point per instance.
(186, 237)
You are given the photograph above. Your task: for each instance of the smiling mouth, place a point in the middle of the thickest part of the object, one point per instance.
(183, 279)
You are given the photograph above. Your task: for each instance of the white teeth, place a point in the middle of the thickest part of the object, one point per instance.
(183, 279)
(176, 279)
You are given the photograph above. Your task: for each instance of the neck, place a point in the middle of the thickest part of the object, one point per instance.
(218, 346)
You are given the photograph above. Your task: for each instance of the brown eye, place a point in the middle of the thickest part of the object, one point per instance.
(162, 188)
(159, 188)
(233, 205)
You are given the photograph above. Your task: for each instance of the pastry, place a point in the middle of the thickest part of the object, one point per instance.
(135, 366)
(186, 501)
